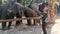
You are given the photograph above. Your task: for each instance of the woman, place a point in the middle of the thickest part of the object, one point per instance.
(44, 8)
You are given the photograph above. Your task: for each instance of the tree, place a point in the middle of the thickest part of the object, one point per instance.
(52, 11)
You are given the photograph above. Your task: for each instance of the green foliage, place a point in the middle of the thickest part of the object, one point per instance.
(26, 2)
(4, 1)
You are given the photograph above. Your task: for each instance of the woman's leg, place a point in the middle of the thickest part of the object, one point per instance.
(44, 28)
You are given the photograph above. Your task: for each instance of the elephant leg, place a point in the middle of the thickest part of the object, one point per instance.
(4, 26)
(34, 22)
(44, 28)
(18, 22)
(38, 22)
(29, 22)
(9, 25)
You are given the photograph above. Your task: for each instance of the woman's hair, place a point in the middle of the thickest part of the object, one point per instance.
(41, 6)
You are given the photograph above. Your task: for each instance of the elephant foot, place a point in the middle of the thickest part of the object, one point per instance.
(34, 24)
(8, 28)
(17, 25)
(29, 24)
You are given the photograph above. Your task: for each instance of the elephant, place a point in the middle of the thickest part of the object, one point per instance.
(35, 7)
(14, 10)
(27, 12)
(8, 11)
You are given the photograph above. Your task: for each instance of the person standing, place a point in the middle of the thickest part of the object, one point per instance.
(44, 8)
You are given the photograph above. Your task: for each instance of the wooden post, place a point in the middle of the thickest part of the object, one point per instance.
(52, 12)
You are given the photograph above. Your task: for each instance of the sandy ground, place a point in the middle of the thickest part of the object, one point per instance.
(56, 27)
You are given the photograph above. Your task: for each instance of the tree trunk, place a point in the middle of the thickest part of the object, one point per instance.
(52, 12)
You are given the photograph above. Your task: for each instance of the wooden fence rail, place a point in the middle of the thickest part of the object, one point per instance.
(17, 19)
